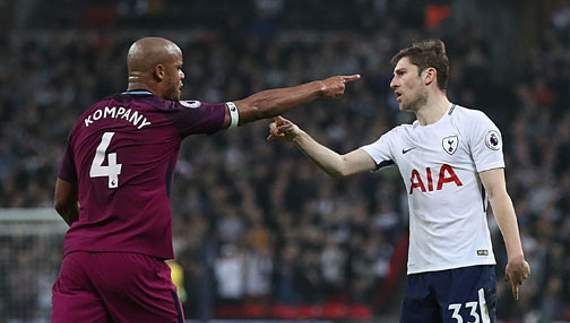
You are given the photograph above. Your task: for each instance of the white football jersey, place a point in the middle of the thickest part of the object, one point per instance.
(439, 164)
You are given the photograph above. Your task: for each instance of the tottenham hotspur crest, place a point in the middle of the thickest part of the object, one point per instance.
(450, 144)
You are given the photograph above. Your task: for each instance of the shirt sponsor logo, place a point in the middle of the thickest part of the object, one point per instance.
(429, 182)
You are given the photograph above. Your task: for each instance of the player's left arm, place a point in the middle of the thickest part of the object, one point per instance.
(65, 200)
(517, 270)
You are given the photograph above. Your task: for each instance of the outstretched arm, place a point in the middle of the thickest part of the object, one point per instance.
(517, 270)
(65, 201)
(270, 103)
(331, 162)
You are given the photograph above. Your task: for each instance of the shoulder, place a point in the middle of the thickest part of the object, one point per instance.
(397, 132)
(468, 115)
(189, 104)
(196, 105)
(467, 118)
(403, 128)
(479, 127)
(394, 136)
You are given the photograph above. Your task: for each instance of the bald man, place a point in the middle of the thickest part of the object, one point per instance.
(114, 183)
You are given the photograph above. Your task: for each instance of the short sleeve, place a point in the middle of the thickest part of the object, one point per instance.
(486, 144)
(381, 151)
(196, 117)
(67, 167)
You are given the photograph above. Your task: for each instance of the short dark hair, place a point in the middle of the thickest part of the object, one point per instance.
(427, 53)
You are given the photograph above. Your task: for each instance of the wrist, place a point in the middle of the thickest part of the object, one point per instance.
(296, 137)
(320, 87)
(515, 257)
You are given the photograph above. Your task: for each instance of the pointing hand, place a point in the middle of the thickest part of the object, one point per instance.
(516, 272)
(334, 86)
(282, 128)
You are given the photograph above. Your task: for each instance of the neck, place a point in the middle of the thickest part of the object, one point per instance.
(136, 83)
(138, 86)
(436, 106)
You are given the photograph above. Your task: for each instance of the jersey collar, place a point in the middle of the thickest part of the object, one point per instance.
(138, 92)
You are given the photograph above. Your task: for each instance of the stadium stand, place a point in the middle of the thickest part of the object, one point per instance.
(259, 232)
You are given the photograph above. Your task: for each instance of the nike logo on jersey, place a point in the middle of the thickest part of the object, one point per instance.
(404, 150)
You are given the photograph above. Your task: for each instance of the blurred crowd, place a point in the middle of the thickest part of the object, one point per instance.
(258, 223)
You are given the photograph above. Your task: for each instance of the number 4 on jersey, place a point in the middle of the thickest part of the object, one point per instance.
(112, 170)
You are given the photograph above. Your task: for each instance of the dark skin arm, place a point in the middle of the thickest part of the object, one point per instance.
(65, 201)
(270, 103)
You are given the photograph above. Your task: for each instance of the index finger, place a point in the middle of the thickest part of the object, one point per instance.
(351, 78)
(515, 289)
(279, 120)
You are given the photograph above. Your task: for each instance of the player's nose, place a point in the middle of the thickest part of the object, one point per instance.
(393, 83)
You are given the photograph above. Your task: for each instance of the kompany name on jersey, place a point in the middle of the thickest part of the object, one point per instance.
(135, 117)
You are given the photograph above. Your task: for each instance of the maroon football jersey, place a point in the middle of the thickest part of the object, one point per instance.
(122, 154)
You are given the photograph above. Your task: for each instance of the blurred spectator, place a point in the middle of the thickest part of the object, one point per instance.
(230, 274)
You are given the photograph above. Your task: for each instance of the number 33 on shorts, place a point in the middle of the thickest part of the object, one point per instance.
(473, 309)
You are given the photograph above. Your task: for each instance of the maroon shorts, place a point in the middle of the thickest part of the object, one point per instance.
(114, 287)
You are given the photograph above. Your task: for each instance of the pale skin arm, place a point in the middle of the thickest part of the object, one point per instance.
(517, 270)
(331, 162)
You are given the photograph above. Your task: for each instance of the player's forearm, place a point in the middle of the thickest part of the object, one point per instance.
(328, 160)
(270, 103)
(506, 219)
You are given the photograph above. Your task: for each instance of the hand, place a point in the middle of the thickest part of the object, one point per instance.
(516, 272)
(282, 128)
(333, 87)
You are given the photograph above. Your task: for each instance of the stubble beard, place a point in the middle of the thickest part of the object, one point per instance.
(173, 93)
(417, 103)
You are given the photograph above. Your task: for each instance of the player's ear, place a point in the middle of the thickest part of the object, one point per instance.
(159, 72)
(430, 75)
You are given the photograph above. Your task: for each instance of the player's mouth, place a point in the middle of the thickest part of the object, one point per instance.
(398, 96)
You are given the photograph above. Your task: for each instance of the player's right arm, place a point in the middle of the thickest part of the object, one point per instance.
(273, 102)
(65, 195)
(328, 160)
(65, 201)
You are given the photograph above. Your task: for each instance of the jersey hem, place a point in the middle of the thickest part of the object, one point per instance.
(103, 250)
(377, 162)
(491, 167)
(441, 268)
